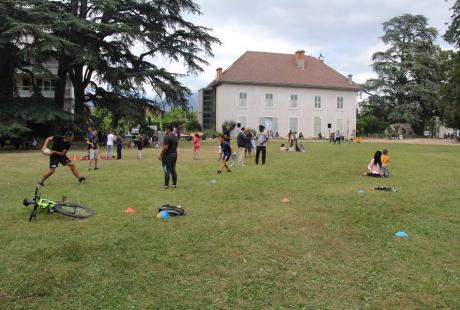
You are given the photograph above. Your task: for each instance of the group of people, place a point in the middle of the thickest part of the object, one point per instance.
(293, 143)
(61, 145)
(379, 166)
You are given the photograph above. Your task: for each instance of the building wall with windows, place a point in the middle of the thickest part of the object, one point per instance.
(47, 84)
(283, 108)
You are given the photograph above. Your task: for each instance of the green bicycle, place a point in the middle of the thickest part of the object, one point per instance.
(62, 207)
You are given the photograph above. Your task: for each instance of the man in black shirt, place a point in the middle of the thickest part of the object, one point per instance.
(61, 145)
(168, 156)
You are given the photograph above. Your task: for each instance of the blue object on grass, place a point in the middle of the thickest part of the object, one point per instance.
(361, 191)
(164, 215)
(401, 234)
(213, 181)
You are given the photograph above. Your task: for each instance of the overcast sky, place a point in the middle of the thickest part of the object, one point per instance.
(346, 32)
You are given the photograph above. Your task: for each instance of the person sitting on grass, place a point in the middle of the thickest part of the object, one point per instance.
(226, 153)
(283, 148)
(61, 145)
(375, 166)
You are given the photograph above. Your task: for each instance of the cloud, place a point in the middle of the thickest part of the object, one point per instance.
(346, 32)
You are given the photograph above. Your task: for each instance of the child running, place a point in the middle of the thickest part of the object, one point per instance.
(226, 153)
(61, 145)
(196, 146)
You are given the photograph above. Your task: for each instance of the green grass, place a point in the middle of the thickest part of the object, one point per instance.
(238, 247)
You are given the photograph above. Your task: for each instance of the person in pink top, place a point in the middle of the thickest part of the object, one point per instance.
(196, 146)
(375, 166)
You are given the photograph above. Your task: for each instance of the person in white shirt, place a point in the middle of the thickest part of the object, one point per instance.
(261, 140)
(110, 138)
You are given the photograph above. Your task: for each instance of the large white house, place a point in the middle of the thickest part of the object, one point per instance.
(282, 92)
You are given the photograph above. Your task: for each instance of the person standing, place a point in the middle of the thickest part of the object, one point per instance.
(61, 145)
(196, 146)
(241, 141)
(261, 139)
(227, 153)
(110, 139)
(93, 145)
(168, 156)
(119, 142)
(140, 146)
(249, 141)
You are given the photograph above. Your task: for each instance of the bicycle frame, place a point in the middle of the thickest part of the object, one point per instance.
(42, 203)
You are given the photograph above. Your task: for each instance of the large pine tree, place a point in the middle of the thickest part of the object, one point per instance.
(409, 73)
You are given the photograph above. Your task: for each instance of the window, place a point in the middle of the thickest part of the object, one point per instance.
(293, 104)
(340, 103)
(316, 126)
(26, 83)
(243, 103)
(339, 126)
(317, 102)
(294, 124)
(268, 100)
(270, 123)
(243, 120)
(46, 85)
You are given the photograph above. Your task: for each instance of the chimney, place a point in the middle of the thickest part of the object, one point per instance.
(300, 59)
(350, 79)
(218, 74)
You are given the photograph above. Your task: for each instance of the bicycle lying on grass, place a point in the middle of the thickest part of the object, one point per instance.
(62, 207)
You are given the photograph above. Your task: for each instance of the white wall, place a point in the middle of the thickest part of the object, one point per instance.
(227, 107)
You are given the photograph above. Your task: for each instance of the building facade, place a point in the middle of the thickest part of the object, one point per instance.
(284, 93)
(46, 81)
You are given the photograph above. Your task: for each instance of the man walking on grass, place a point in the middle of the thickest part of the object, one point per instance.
(241, 141)
(168, 156)
(93, 145)
(61, 145)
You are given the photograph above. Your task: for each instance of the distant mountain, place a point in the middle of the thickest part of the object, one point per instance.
(193, 101)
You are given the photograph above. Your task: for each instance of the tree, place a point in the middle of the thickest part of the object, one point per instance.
(409, 74)
(451, 90)
(21, 40)
(452, 34)
(228, 126)
(103, 34)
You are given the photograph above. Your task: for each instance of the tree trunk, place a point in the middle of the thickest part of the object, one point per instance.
(7, 64)
(59, 94)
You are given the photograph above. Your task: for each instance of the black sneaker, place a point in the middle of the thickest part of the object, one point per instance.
(82, 180)
(96, 168)
(174, 186)
(40, 184)
(165, 186)
(229, 170)
(219, 172)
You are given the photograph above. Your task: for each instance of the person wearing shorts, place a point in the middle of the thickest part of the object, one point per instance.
(168, 156)
(61, 145)
(93, 145)
(227, 153)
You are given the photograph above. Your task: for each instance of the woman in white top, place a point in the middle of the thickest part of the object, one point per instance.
(375, 166)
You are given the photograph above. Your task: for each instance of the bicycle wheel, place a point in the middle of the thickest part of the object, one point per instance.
(74, 210)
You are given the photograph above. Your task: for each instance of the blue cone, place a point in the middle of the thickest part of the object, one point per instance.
(401, 234)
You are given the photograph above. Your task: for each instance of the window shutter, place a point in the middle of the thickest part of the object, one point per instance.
(275, 125)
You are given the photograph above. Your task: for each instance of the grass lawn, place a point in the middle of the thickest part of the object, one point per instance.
(239, 247)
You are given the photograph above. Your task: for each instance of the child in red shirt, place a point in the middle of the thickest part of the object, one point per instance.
(196, 146)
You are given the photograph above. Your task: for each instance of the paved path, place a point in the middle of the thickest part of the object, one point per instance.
(416, 141)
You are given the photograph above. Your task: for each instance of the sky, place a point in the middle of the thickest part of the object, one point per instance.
(345, 32)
